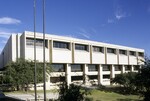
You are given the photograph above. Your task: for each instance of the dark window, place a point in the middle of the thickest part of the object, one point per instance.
(111, 50)
(98, 49)
(141, 54)
(76, 68)
(76, 78)
(92, 67)
(106, 67)
(117, 68)
(136, 68)
(106, 76)
(128, 68)
(124, 52)
(39, 42)
(57, 79)
(132, 53)
(91, 77)
(29, 42)
(58, 44)
(81, 47)
(58, 67)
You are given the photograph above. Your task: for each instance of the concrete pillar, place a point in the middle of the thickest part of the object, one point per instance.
(100, 75)
(73, 49)
(85, 72)
(112, 71)
(68, 74)
(123, 69)
(51, 51)
(132, 68)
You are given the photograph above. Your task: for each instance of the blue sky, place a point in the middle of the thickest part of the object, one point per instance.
(122, 22)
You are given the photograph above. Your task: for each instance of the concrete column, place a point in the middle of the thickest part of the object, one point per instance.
(51, 51)
(73, 49)
(105, 52)
(132, 68)
(100, 75)
(91, 48)
(128, 54)
(112, 71)
(85, 72)
(68, 74)
(117, 56)
(140, 67)
(123, 69)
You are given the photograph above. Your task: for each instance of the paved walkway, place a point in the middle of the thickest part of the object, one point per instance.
(30, 97)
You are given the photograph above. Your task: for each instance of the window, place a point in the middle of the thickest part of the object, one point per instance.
(106, 76)
(106, 67)
(81, 47)
(117, 68)
(29, 42)
(39, 42)
(91, 77)
(92, 67)
(76, 78)
(58, 44)
(136, 68)
(132, 53)
(98, 49)
(58, 67)
(57, 79)
(111, 50)
(76, 68)
(141, 54)
(127, 68)
(123, 52)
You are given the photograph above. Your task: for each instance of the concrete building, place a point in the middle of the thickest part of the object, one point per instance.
(75, 60)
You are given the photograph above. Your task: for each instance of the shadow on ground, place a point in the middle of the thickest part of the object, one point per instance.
(128, 100)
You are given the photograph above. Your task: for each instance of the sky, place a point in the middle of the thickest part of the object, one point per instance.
(121, 22)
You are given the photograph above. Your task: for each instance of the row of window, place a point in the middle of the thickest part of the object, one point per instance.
(66, 45)
(73, 78)
(91, 67)
(38, 42)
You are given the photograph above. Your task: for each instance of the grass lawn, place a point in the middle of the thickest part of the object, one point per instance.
(98, 95)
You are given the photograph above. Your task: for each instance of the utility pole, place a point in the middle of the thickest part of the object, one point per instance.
(35, 79)
(44, 65)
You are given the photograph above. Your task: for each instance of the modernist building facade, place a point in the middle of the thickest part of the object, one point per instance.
(75, 60)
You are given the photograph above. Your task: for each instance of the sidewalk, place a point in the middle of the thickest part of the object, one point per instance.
(30, 97)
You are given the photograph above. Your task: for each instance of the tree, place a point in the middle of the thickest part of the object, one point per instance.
(142, 81)
(71, 93)
(20, 74)
(127, 80)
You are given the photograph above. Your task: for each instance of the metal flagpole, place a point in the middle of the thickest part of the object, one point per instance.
(35, 79)
(44, 65)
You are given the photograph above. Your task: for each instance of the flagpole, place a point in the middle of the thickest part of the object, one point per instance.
(35, 79)
(44, 65)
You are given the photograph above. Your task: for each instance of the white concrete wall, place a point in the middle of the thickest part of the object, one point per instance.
(61, 56)
(29, 54)
(81, 56)
(14, 48)
(1, 61)
(112, 58)
(123, 59)
(132, 60)
(22, 46)
(7, 52)
(98, 58)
